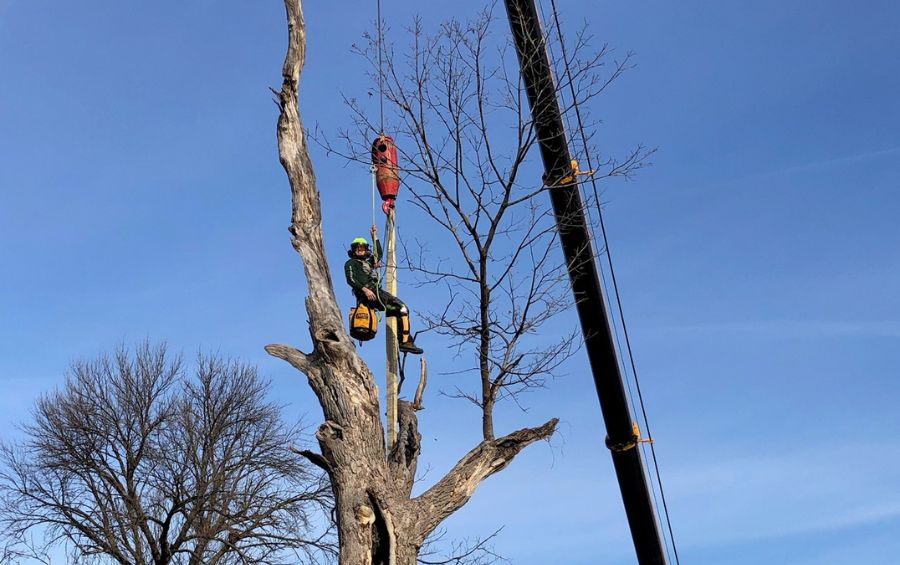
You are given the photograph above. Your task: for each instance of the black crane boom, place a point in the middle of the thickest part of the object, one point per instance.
(575, 239)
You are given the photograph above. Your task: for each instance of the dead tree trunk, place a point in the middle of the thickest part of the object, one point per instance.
(378, 520)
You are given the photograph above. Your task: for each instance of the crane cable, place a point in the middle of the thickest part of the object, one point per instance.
(380, 65)
(389, 220)
(584, 141)
(373, 169)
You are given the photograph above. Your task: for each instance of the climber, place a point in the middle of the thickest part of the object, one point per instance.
(362, 277)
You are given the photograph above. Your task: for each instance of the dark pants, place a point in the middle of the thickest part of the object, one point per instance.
(391, 306)
(384, 302)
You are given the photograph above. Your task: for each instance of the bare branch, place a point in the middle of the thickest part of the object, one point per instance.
(420, 390)
(457, 486)
(465, 552)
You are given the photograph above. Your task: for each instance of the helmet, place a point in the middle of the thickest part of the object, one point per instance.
(356, 244)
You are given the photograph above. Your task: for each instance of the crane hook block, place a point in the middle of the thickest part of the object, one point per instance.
(384, 159)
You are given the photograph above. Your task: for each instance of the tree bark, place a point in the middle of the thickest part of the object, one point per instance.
(378, 521)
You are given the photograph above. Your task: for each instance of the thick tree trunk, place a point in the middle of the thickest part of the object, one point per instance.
(378, 521)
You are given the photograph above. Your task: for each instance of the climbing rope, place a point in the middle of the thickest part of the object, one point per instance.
(374, 188)
(615, 284)
(387, 226)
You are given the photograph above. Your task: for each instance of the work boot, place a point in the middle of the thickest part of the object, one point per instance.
(409, 346)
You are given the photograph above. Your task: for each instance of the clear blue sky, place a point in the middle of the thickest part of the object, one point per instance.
(141, 196)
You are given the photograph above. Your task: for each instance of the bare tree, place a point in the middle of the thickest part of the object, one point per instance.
(461, 110)
(132, 462)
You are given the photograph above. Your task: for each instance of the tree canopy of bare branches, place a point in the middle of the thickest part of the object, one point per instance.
(133, 462)
(469, 165)
(469, 136)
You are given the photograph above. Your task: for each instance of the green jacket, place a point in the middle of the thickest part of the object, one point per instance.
(361, 272)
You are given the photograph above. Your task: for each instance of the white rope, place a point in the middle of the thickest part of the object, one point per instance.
(374, 182)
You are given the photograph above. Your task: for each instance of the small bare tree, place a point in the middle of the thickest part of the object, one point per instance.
(470, 143)
(134, 463)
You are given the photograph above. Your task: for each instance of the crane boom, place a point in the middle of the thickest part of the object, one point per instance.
(575, 239)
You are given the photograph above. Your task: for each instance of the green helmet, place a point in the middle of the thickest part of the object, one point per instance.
(357, 243)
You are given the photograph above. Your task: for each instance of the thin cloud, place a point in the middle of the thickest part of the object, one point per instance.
(750, 498)
(793, 328)
(827, 163)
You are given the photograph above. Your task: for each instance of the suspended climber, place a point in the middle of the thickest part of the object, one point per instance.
(361, 269)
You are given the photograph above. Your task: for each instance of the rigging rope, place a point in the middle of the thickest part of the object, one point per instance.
(609, 261)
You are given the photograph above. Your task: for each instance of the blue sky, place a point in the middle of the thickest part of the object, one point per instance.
(141, 196)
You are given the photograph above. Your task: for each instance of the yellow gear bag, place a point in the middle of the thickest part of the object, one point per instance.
(363, 322)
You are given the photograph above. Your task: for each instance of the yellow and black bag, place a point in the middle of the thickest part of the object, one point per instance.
(363, 322)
